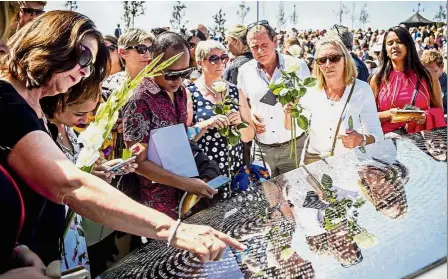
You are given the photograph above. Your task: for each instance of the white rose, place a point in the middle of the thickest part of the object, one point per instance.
(283, 92)
(295, 50)
(220, 86)
(291, 66)
(92, 137)
(365, 240)
(87, 157)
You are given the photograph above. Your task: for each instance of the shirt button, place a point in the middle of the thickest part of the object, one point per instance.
(273, 131)
(272, 117)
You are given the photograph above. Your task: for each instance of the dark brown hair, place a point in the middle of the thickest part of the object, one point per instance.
(49, 45)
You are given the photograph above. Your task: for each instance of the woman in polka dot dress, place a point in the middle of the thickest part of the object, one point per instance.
(212, 58)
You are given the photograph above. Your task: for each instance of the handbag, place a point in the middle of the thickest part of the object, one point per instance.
(310, 157)
(251, 173)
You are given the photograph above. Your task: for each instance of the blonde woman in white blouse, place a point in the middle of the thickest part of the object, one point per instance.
(330, 101)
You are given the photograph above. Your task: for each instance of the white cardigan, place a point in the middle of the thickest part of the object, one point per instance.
(324, 116)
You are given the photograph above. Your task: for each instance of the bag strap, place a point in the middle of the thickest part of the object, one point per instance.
(254, 142)
(414, 95)
(340, 118)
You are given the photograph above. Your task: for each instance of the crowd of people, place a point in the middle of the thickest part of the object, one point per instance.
(56, 68)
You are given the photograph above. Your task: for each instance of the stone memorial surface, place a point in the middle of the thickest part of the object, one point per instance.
(378, 212)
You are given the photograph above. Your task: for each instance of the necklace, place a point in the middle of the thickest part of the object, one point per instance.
(44, 119)
(209, 89)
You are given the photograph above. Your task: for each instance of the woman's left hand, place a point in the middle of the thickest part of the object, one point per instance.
(234, 118)
(352, 139)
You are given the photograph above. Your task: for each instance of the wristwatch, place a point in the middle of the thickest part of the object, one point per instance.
(364, 140)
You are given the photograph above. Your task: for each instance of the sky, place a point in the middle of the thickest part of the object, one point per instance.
(311, 14)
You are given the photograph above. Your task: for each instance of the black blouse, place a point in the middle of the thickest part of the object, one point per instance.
(44, 220)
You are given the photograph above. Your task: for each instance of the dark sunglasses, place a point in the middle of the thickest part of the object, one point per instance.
(191, 45)
(85, 57)
(174, 75)
(141, 49)
(214, 59)
(260, 22)
(334, 58)
(32, 12)
(112, 48)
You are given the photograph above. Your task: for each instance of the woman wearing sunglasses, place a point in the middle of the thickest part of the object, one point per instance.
(343, 113)
(212, 58)
(112, 45)
(403, 80)
(46, 178)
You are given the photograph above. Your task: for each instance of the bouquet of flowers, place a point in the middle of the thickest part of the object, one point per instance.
(289, 89)
(223, 107)
(97, 132)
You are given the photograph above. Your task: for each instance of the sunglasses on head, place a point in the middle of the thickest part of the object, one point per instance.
(32, 12)
(174, 75)
(214, 59)
(112, 48)
(141, 49)
(85, 57)
(260, 22)
(333, 58)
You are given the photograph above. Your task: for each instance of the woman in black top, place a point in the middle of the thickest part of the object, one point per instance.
(70, 55)
(236, 40)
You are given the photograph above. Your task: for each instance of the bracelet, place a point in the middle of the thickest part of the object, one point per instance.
(173, 232)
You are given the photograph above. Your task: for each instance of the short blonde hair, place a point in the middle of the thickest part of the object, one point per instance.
(204, 48)
(431, 55)
(350, 71)
(134, 37)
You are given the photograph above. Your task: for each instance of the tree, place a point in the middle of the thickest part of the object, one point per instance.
(363, 16)
(294, 17)
(71, 5)
(281, 17)
(441, 14)
(343, 10)
(243, 11)
(353, 15)
(220, 20)
(177, 16)
(132, 9)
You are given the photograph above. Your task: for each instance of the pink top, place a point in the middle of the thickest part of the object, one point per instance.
(397, 93)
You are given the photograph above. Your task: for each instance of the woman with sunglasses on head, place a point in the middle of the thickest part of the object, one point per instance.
(193, 37)
(212, 58)
(52, 180)
(237, 45)
(403, 80)
(342, 109)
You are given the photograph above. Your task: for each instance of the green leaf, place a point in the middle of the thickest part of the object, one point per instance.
(350, 123)
(218, 109)
(309, 82)
(295, 113)
(127, 153)
(302, 122)
(302, 91)
(242, 125)
(233, 140)
(226, 109)
(224, 132)
(277, 90)
(326, 181)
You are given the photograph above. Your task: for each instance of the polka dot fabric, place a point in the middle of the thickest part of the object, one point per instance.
(213, 144)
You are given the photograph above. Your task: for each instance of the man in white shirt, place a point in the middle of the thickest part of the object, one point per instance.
(253, 80)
